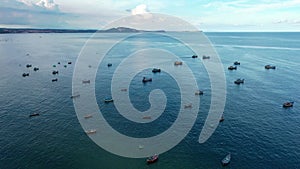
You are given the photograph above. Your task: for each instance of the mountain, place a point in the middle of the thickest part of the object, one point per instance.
(111, 30)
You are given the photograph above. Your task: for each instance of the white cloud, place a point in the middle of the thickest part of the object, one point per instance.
(140, 9)
(49, 4)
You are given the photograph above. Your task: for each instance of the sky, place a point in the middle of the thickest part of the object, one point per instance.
(206, 15)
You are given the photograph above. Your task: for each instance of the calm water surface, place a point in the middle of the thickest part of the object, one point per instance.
(257, 130)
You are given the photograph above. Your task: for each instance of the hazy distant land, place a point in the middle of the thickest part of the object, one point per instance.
(32, 30)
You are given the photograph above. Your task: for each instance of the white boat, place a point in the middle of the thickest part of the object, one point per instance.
(92, 131)
(226, 160)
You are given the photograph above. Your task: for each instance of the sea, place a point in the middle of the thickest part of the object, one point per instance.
(257, 131)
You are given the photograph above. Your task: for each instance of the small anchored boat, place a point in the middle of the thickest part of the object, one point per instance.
(124, 90)
(236, 63)
(199, 92)
(107, 100)
(188, 106)
(109, 65)
(92, 131)
(270, 67)
(54, 72)
(36, 69)
(28, 65)
(146, 80)
(69, 63)
(147, 117)
(226, 160)
(232, 68)
(86, 81)
(221, 119)
(34, 114)
(288, 104)
(152, 159)
(194, 56)
(25, 74)
(88, 116)
(54, 80)
(205, 57)
(155, 70)
(239, 81)
(75, 96)
(177, 63)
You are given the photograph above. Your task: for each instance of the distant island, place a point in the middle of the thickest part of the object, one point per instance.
(111, 30)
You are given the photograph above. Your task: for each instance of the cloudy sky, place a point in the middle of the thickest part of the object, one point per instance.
(207, 15)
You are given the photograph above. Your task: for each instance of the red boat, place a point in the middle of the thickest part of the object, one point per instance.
(152, 159)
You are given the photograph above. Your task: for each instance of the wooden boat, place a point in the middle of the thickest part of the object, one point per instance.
(28, 65)
(69, 63)
(194, 56)
(288, 104)
(239, 81)
(270, 67)
(34, 114)
(177, 63)
(54, 80)
(226, 160)
(232, 68)
(152, 159)
(107, 100)
(109, 65)
(36, 69)
(236, 63)
(155, 70)
(147, 79)
(205, 57)
(25, 74)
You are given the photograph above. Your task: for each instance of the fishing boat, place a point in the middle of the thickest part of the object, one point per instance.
(75, 96)
(221, 119)
(188, 106)
(54, 80)
(55, 72)
(88, 116)
(34, 114)
(270, 67)
(288, 104)
(107, 100)
(86, 81)
(109, 64)
(92, 131)
(152, 159)
(205, 57)
(239, 81)
(177, 63)
(25, 74)
(232, 68)
(146, 80)
(236, 63)
(194, 56)
(226, 160)
(155, 70)
(199, 92)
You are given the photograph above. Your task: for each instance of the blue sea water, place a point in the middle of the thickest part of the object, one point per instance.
(257, 131)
